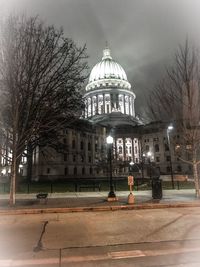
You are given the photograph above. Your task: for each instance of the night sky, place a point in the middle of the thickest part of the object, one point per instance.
(143, 35)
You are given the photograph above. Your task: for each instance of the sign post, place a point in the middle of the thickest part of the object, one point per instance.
(130, 183)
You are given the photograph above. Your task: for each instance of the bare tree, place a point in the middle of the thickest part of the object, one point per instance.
(176, 99)
(42, 72)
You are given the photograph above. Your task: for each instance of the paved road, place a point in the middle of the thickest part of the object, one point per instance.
(168, 237)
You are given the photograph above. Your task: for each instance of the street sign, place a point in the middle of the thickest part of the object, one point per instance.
(130, 180)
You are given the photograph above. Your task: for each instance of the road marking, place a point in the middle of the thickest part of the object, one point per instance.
(126, 254)
(115, 255)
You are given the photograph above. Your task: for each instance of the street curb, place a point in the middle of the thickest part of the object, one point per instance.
(98, 208)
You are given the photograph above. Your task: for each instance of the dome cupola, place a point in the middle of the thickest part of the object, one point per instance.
(107, 72)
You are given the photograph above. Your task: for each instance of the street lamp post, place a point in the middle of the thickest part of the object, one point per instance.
(169, 128)
(142, 165)
(111, 194)
(149, 159)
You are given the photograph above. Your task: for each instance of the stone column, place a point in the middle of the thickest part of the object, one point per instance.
(91, 105)
(124, 104)
(104, 109)
(97, 105)
(129, 105)
(124, 149)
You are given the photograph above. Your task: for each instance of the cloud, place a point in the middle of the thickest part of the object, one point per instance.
(142, 34)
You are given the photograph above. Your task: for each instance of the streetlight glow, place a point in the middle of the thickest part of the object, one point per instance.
(149, 154)
(109, 139)
(170, 127)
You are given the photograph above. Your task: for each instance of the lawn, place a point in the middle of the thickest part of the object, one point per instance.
(68, 186)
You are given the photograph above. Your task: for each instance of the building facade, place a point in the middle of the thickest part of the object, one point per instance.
(109, 110)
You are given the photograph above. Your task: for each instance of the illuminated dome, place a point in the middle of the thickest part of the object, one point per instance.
(107, 72)
(108, 89)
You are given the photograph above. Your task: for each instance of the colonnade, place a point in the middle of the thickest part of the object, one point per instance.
(108, 102)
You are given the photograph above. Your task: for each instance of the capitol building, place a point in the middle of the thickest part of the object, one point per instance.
(109, 110)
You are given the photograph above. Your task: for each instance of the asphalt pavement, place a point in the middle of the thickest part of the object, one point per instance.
(96, 201)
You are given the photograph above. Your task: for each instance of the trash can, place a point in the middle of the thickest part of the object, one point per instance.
(156, 188)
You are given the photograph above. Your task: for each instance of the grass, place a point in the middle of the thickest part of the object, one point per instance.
(58, 186)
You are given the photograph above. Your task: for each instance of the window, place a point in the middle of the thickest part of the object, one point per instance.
(73, 143)
(74, 158)
(82, 146)
(168, 169)
(83, 170)
(89, 146)
(96, 147)
(120, 150)
(48, 170)
(66, 171)
(168, 158)
(156, 148)
(90, 159)
(157, 159)
(147, 148)
(107, 106)
(65, 157)
(166, 147)
(82, 158)
(91, 171)
(136, 150)
(75, 170)
(64, 140)
(179, 169)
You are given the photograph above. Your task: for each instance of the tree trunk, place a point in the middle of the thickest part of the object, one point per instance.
(29, 162)
(13, 174)
(196, 179)
(15, 165)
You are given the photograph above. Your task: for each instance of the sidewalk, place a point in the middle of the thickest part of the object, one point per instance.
(96, 201)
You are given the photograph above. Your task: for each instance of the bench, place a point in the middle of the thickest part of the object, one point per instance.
(42, 197)
(90, 186)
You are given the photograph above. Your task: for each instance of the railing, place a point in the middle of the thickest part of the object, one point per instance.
(101, 183)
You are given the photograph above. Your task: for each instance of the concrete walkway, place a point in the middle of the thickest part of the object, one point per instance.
(96, 201)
